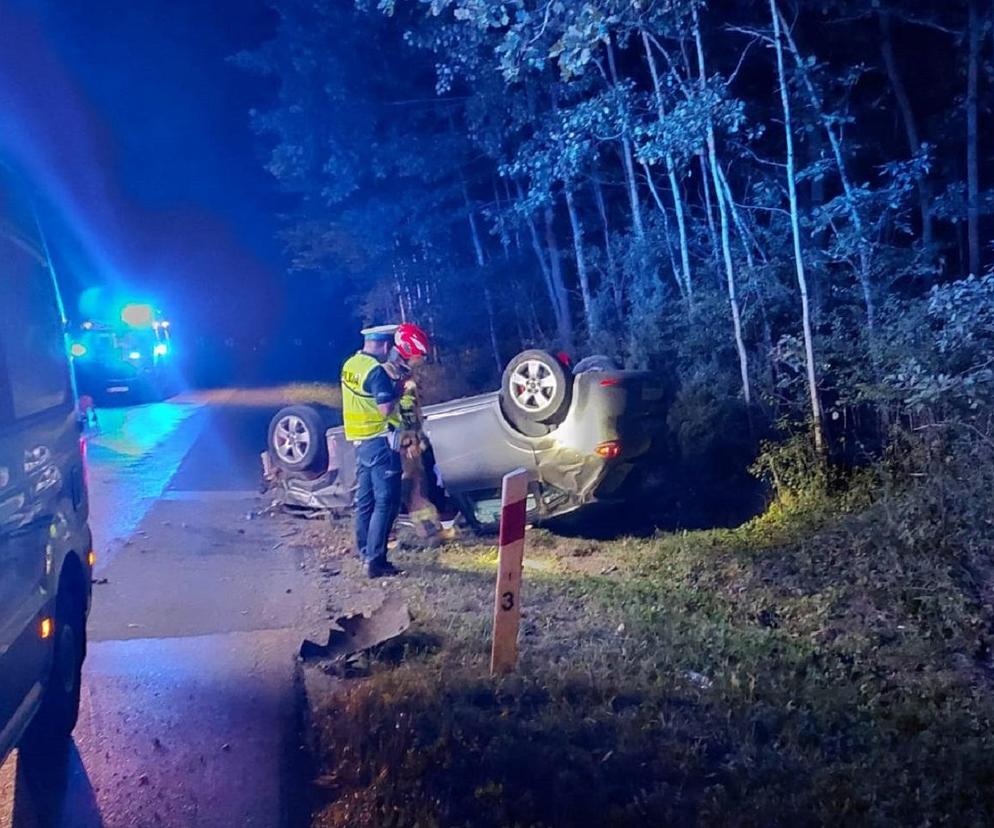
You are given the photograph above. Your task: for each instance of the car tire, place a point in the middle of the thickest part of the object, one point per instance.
(535, 389)
(56, 717)
(297, 440)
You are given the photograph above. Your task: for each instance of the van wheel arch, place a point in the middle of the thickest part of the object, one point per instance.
(56, 717)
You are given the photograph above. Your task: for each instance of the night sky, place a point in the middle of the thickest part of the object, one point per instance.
(135, 126)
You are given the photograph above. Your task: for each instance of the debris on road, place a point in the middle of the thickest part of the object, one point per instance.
(361, 631)
(307, 514)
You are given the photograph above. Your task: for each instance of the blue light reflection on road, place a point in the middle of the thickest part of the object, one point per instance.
(131, 461)
(135, 430)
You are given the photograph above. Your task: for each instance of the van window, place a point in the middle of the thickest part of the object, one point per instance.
(34, 352)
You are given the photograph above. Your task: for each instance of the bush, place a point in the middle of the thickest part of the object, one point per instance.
(709, 429)
(796, 474)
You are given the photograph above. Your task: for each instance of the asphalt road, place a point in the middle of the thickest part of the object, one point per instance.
(190, 700)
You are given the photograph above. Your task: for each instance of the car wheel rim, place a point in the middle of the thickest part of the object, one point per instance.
(291, 439)
(533, 386)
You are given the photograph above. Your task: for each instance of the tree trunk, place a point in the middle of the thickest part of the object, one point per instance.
(563, 326)
(671, 174)
(633, 196)
(581, 261)
(816, 152)
(617, 289)
(748, 240)
(910, 125)
(681, 226)
(517, 235)
(972, 138)
(430, 306)
(564, 323)
(702, 81)
(543, 260)
(400, 296)
(865, 257)
(481, 263)
(708, 208)
(666, 231)
(626, 155)
(795, 227)
(726, 251)
(504, 241)
(726, 245)
(488, 304)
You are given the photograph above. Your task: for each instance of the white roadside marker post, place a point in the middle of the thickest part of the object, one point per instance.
(507, 601)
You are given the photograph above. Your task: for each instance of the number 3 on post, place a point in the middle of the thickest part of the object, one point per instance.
(507, 599)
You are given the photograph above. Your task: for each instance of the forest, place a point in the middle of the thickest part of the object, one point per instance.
(778, 206)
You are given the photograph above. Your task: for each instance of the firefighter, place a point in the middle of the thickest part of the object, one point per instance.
(422, 512)
(371, 409)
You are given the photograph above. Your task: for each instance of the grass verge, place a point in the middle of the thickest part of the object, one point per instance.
(816, 665)
(302, 393)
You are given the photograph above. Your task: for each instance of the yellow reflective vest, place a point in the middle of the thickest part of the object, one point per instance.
(363, 420)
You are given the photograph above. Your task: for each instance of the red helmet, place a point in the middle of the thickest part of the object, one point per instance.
(411, 341)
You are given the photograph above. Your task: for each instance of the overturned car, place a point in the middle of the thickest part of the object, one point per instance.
(582, 434)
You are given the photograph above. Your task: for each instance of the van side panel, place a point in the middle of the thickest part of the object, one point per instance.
(43, 504)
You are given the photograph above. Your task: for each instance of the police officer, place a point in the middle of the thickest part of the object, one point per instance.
(370, 405)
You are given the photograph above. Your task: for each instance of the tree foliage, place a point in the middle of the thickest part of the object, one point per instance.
(611, 175)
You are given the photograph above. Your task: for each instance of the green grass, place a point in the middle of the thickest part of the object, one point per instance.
(824, 663)
(313, 392)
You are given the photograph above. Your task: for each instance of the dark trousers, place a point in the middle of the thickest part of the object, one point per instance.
(377, 499)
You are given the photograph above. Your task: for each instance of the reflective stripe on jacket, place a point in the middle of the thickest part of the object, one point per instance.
(363, 419)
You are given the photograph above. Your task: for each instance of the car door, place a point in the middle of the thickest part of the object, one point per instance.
(35, 397)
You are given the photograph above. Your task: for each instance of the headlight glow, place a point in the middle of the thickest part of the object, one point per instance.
(78, 349)
(135, 355)
(161, 349)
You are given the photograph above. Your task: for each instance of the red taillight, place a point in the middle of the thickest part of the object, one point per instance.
(610, 382)
(609, 450)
